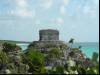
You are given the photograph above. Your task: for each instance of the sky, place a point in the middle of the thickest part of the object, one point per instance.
(21, 20)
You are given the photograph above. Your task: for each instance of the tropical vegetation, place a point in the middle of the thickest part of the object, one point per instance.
(14, 61)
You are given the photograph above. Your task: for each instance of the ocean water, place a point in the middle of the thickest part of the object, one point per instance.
(87, 48)
(23, 46)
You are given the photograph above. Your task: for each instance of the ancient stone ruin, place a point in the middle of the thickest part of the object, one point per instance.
(47, 38)
(49, 35)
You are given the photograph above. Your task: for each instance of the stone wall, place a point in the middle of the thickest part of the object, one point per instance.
(48, 39)
(43, 43)
(49, 35)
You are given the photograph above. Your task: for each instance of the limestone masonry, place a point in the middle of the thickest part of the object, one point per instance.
(48, 37)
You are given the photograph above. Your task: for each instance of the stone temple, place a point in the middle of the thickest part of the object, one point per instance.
(47, 38)
(49, 35)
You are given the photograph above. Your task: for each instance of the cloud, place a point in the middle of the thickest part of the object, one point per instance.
(21, 3)
(63, 6)
(37, 22)
(96, 2)
(66, 2)
(23, 13)
(46, 4)
(58, 21)
(21, 9)
(88, 8)
(89, 11)
(62, 10)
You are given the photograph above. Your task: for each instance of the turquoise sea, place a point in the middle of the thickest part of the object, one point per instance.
(87, 48)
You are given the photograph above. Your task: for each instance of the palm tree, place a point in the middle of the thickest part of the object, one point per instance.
(80, 47)
(71, 41)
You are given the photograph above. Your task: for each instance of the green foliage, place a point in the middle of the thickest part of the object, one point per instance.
(32, 46)
(75, 68)
(63, 46)
(93, 70)
(36, 57)
(57, 70)
(71, 40)
(95, 57)
(3, 58)
(60, 69)
(37, 61)
(80, 47)
(7, 47)
(75, 49)
(55, 53)
(72, 53)
(13, 42)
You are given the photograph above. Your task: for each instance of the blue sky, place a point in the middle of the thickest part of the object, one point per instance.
(22, 19)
